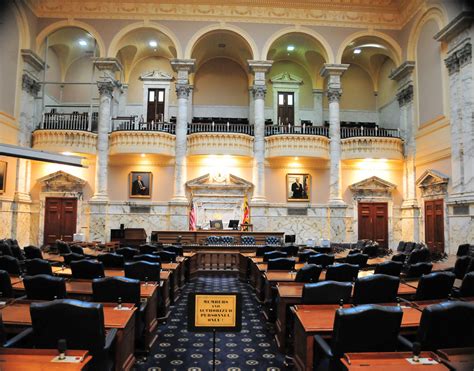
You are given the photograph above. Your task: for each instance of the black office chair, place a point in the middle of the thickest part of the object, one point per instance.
(309, 273)
(291, 250)
(111, 260)
(304, 255)
(357, 259)
(44, 287)
(377, 288)
(366, 328)
(323, 260)
(370, 250)
(326, 292)
(323, 249)
(437, 285)
(409, 247)
(418, 256)
(38, 266)
(87, 269)
(463, 249)
(178, 250)
(6, 289)
(461, 266)
(148, 258)
(147, 249)
(143, 271)
(390, 268)
(467, 286)
(72, 257)
(62, 247)
(81, 324)
(342, 272)
(261, 250)
(399, 258)
(417, 270)
(401, 247)
(166, 256)
(77, 250)
(445, 325)
(17, 251)
(32, 252)
(127, 252)
(5, 248)
(274, 255)
(10, 264)
(281, 264)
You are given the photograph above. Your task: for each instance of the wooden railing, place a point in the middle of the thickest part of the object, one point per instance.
(369, 132)
(220, 128)
(289, 129)
(68, 121)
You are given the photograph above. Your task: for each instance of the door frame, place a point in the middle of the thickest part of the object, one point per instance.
(156, 80)
(378, 201)
(286, 83)
(287, 93)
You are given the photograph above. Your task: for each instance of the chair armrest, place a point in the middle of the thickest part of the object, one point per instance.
(15, 341)
(110, 338)
(323, 345)
(405, 343)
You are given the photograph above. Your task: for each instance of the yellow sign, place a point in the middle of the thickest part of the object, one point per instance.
(215, 311)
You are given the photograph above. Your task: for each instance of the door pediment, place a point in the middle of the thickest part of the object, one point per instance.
(156, 75)
(433, 183)
(373, 187)
(61, 181)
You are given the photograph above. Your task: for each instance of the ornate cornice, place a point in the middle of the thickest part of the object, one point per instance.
(32, 59)
(405, 96)
(456, 26)
(30, 85)
(459, 58)
(403, 71)
(386, 14)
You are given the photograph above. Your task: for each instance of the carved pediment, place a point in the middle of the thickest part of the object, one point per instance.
(286, 78)
(61, 181)
(433, 183)
(156, 75)
(220, 181)
(373, 187)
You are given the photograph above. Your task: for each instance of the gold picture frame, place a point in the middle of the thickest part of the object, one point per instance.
(3, 176)
(140, 187)
(298, 187)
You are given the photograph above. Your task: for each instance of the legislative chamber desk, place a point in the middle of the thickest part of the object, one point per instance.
(389, 361)
(82, 290)
(199, 237)
(16, 315)
(40, 360)
(460, 359)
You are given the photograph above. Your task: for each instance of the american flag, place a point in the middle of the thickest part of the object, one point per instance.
(192, 218)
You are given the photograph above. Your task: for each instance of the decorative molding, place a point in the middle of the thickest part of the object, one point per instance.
(32, 59)
(152, 142)
(372, 147)
(183, 90)
(313, 146)
(219, 144)
(230, 181)
(30, 85)
(286, 78)
(455, 27)
(405, 96)
(465, 54)
(433, 183)
(61, 181)
(259, 91)
(405, 70)
(334, 95)
(108, 64)
(65, 140)
(373, 187)
(105, 88)
(156, 75)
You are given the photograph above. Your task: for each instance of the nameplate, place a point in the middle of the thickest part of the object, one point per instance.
(460, 209)
(67, 359)
(297, 211)
(422, 361)
(140, 209)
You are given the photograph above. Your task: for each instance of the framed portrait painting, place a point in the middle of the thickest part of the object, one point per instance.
(298, 187)
(140, 184)
(3, 176)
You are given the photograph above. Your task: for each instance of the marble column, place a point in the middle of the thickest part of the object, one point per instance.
(259, 68)
(333, 73)
(318, 107)
(251, 107)
(183, 67)
(410, 212)
(190, 103)
(123, 100)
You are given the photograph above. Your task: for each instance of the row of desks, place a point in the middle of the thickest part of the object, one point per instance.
(41, 359)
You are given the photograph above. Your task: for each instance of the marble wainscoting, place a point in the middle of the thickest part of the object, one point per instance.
(460, 230)
(5, 218)
(17, 218)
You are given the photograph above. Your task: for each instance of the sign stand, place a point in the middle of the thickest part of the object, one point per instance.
(214, 350)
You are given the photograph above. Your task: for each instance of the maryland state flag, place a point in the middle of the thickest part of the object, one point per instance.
(192, 218)
(246, 218)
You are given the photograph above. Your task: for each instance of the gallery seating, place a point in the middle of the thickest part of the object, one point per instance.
(44, 287)
(342, 272)
(38, 266)
(309, 273)
(377, 288)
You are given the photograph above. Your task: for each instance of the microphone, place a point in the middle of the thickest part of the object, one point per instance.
(62, 347)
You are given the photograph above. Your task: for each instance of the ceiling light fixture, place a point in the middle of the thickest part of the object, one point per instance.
(290, 48)
(153, 43)
(142, 155)
(82, 42)
(357, 51)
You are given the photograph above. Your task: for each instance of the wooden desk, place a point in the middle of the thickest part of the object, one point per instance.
(17, 314)
(244, 265)
(39, 360)
(388, 361)
(200, 236)
(319, 319)
(461, 359)
(82, 290)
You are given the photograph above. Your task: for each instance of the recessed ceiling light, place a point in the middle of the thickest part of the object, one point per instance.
(153, 43)
(357, 51)
(82, 42)
(143, 155)
(290, 48)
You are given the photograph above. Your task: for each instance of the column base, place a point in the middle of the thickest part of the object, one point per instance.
(179, 200)
(410, 204)
(22, 197)
(258, 200)
(99, 198)
(337, 202)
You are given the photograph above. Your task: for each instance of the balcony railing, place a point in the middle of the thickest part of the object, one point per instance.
(369, 132)
(288, 129)
(131, 124)
(68, 121)
(220, 128)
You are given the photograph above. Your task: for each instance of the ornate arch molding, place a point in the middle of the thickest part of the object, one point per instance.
(224, 27)
(23, 26)
(397, 50)
(433, 184)
(70, 23)
(329, 55)
(372, 188)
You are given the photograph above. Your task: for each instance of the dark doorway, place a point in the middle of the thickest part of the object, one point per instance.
(60, 219)
(286, 108)
(156, 105)
(434, 225)
(373, 222)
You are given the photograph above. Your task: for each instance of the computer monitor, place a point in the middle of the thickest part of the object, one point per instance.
(290, 238)
(234, 224)
(216, 224)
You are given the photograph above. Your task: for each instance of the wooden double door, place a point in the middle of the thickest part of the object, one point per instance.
(373, 222)
(60, 219)
(434, 225)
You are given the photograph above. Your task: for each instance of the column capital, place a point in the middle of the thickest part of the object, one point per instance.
(331, 69)
(452, 63)
(259, 66)
(465, 54)
(334, 95)
(259, 91)
(405, 95)
(183, 90)
(30, 84)
(403, 72)
(105, 88)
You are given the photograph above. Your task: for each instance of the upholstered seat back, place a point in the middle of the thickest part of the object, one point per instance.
(419, 256)
(342, 272)
(357, 259)
(390, 268)
(167, 256)
(401, 246)
(6, 290)
(377, 288)
(127, 252)
(62, 247)
(69, 258)
(143, 271)
(437, 285)
(178, 250)
(77, 249)
(10, 264)
(419, 269)
(290, 250)
(305, 254)
(87, 269)
(110, 289)
(321, 259)
(283, 264)
(326, 292)
(309, 273)
(111, 260)
(274, 255)
(147, 258)
(38, 266)
(32, 252)
(44, 287)
(467, 286)
(147, 249)
(261, 250)
(461, 266)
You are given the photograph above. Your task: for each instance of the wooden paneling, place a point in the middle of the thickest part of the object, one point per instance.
(373, 222)
(60, 219)
(434, 225)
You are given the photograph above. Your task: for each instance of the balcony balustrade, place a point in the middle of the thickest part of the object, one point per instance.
(369, 132)
(300, 130)
(69, 121)
(220, 128)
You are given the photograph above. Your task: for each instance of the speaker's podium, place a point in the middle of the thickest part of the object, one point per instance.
(128, 236)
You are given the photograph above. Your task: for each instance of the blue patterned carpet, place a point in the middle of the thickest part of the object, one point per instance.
(177, 349)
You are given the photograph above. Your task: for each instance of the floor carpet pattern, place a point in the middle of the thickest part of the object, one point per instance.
(254, 348)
